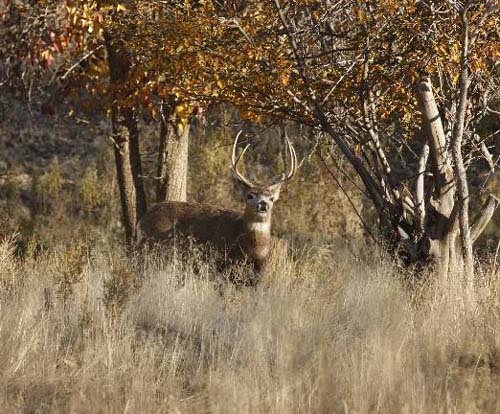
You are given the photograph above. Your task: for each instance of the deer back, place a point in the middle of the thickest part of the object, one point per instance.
(223, 229)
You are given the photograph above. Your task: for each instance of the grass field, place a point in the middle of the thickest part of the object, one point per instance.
(329, 330)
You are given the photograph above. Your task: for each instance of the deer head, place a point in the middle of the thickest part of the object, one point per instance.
(260, 198)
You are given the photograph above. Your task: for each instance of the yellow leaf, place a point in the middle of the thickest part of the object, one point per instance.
(362, 16)
(121, 7)
(477, 65)
(285, 79)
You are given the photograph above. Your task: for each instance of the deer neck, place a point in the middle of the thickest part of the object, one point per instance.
(257, 237)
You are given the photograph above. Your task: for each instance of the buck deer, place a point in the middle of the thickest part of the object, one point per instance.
(238, 236)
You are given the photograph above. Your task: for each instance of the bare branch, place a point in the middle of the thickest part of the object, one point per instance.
(237, 25)
(334, 177)
(484, 217)
(371, 185)
(488, 157)
(83, 59)
(492, 111)
(390, 192)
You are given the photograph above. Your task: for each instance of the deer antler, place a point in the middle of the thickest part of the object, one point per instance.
(235, 160)
(283, 178)
(293, 162)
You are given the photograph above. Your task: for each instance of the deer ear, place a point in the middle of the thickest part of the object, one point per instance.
(275, 190)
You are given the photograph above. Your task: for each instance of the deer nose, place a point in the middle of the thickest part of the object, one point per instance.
(262, 206)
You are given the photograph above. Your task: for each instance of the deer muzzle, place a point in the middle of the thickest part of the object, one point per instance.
(262, 207)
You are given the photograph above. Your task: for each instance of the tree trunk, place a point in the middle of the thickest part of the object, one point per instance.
(456, 150)
(440, 216)
(124, 174)
(136, 163)
(126, 142)
(166, 130)
(172, 156)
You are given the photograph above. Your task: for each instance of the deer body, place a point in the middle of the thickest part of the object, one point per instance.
(237, 236)
(228, 231)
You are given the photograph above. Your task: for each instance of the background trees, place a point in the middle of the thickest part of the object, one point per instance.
(88, 49)
(404, 92)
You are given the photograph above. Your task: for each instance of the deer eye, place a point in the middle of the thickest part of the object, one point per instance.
(272, 199)
(250, 196)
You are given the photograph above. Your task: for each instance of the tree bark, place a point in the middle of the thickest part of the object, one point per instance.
(166, 129)
(456, 150)
(126, 142)
(172, 156)
(136, 164)
(124, 174)
(420, 190)
(484, 217)
(440, 218)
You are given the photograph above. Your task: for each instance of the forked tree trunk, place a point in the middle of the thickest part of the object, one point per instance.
(440, 215)
(448, 234)
(172, 156)
(432, 226)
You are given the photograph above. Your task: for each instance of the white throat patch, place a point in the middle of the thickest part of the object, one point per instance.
(259, 227)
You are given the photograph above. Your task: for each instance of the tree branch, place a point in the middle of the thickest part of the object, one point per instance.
(456, 149)
(358, 214)
(82, 59)
(372, 187)
(484, 217)
(382, 164)
(420, 190)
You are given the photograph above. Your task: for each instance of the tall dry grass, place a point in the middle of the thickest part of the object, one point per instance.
(87, 331)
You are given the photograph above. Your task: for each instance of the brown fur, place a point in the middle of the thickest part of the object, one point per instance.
(226, 230)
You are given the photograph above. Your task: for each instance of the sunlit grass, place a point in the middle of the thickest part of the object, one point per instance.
(322, 332)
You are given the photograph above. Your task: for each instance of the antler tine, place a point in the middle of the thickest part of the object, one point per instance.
(293, 162)
(293, 159)
(235, 143)
(235, 160)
